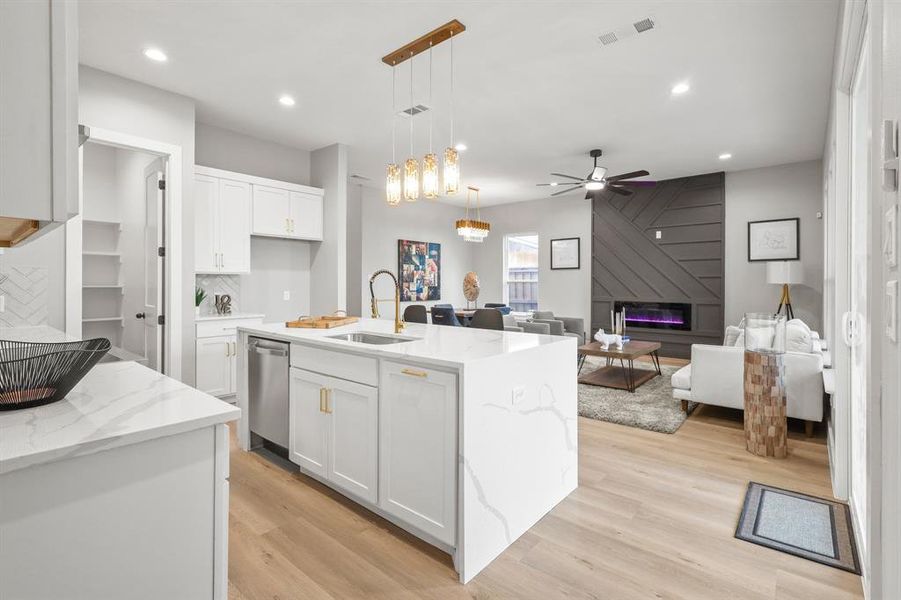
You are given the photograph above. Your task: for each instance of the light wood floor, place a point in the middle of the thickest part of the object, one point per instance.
(653, 517)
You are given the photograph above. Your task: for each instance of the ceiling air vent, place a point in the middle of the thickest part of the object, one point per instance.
(413, 110)
(643, 25)
(607, 38)
(621, 33)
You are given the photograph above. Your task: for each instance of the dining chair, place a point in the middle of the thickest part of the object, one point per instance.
(503, 308)
(415, 313)
(444, 315)
(487, 318)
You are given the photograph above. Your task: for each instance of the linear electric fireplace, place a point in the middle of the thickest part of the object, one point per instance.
(656, 315)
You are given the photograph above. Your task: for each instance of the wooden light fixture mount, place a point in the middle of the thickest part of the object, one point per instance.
(421, 44)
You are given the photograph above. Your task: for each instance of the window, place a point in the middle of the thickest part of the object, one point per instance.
(521, 271)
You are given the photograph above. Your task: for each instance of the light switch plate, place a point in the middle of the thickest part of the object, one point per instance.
(658, 234)
(519, 393)
(891, 310)
(286, 295)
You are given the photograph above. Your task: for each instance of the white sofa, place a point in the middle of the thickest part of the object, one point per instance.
(716, 374)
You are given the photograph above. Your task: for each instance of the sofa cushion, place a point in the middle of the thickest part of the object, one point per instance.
(681, 394)
(759, 337)
(732, 333)
(681, 379)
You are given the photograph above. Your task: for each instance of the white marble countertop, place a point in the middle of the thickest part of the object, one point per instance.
(234, 315)
(434, 344)
(116, 404)
(36, 333)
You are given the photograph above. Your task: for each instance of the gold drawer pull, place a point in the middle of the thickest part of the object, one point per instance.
(414, 373)
(322, 400)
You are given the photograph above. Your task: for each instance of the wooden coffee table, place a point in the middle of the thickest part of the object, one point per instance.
(625, 376)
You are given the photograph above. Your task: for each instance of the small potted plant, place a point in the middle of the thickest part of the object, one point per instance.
(199, 297)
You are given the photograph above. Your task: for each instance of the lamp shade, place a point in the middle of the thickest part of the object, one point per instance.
(784, 271)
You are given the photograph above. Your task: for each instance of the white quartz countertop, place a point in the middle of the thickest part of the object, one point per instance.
(433, 344)
(235, 315)
(116, 404)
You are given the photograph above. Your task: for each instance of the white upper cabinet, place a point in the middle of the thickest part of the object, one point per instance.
(38, 114)
(221, 225)
(271, 210)
(287, 213)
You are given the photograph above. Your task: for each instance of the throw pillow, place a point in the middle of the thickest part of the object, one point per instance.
(797, 337)
(732, 333)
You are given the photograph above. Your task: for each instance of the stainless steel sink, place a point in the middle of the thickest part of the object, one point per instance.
(362, 337)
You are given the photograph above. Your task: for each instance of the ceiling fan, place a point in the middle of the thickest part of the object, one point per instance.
(597, 180)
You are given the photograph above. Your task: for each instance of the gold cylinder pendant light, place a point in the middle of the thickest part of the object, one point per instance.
(411, 165)
(430, 161)
(451, 158)
(392, 175)
(473, 230)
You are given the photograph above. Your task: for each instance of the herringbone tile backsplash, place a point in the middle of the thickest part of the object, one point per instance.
(25, 289)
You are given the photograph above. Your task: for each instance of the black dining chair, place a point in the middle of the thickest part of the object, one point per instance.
(487, 318)
(444, 315)
(502, 308)
(415, 313)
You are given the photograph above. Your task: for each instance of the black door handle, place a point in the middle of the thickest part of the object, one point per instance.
(140, 316)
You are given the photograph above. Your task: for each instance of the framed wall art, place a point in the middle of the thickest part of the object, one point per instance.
(419, 269)
(565, 253)
(776, 239)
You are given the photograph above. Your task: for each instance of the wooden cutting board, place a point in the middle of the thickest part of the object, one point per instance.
(324, 322)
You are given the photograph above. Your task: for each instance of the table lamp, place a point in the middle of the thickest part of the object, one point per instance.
(785, 272)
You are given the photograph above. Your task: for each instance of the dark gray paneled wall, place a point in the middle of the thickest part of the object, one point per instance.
(685, 265)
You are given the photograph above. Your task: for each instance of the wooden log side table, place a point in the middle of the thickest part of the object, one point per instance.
(766, 423)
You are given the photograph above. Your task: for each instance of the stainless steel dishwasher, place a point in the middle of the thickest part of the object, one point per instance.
(268, 393)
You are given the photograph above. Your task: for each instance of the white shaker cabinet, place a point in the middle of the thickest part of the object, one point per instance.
(279, 212)
(221, 225)
(305, 216)
(216, 354)
(334, 431)
(418, 447)
(38, 116)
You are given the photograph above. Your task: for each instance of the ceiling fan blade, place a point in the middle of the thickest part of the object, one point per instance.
(619, 190)
(637, 183)
(631, 175)
(555, 184)
(564, 191)
(567, 176)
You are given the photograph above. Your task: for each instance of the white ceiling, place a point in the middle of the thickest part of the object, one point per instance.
(534, 89)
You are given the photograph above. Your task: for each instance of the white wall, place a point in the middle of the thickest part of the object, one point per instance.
(355, 250)
(566, 292)
(423, 221)
(276, 265)
(111, 102)
(784, 191)
(328, 258)
(233, 151)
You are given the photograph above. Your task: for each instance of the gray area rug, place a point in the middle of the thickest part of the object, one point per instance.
(651, 407)
(813, 528)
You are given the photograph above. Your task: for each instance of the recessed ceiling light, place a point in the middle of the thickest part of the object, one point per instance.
(553, 184)
(460, 147)
(155, 54)
(286, 100)
(680, 88)
(725, 156)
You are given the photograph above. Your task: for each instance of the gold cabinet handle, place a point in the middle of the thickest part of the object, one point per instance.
(328, 401)
(322, 400)
(414, 373)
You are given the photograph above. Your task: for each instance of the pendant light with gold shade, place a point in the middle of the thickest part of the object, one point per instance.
(411, 165)
(473, 230)
(392, 182)
(430, 161)
(451, 158)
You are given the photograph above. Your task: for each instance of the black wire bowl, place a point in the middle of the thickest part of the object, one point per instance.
(36, 373)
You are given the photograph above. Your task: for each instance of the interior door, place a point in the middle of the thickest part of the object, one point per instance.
(353, 437)
(154, 263)
(857, 322)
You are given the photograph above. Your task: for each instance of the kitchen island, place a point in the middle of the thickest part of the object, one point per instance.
(120, 490)
(463, 437)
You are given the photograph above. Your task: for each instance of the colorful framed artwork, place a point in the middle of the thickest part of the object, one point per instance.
(419, 269)
(776, 239)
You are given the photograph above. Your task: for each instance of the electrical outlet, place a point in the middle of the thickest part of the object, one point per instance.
(286, 295)
(519, 393)
(658, 234)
